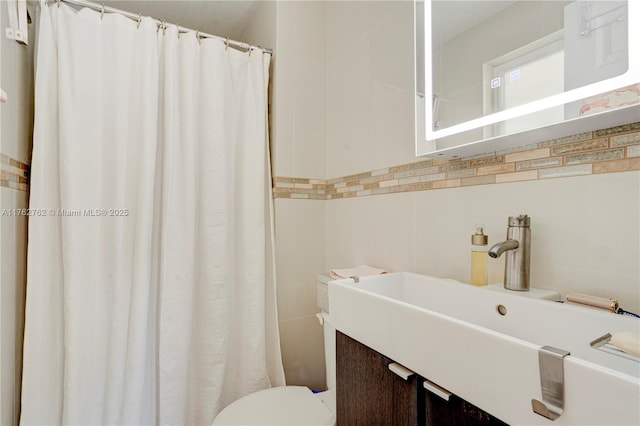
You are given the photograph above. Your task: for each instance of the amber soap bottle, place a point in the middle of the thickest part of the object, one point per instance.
(479, 260)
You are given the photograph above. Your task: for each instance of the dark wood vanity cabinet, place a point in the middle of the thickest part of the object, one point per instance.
(456, 412)
(368, 394)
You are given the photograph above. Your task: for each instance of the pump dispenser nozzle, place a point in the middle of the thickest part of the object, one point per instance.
(479, 238)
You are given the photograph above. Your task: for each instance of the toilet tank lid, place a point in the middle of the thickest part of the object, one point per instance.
(282, 406)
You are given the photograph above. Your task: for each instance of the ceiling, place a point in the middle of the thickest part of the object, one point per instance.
(231, 18)
(223, 18)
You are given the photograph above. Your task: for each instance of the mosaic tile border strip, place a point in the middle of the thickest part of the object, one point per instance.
(611, 150)
(14, 174)
(313, 189)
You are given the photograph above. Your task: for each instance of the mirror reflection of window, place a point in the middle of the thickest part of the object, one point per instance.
(529, 73)
(489, 56)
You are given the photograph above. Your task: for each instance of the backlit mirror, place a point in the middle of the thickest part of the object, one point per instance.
(498, 70)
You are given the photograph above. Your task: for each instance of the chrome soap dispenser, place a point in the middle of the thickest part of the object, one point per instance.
(479, 259)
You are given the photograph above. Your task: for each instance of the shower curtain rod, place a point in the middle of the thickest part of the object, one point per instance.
(102, 8)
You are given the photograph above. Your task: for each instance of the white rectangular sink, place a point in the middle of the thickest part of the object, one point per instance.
(453, 334)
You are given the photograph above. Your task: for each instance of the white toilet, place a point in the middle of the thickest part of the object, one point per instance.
(290, 405)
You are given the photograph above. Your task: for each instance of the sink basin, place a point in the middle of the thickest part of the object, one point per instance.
(456, 335)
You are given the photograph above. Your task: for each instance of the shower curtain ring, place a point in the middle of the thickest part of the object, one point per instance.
(226, 44)
(102, 11)
(198, 36)
(139, 19)
(58, 3)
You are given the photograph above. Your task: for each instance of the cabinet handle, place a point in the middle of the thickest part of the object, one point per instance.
(401, 370)
(433, 388)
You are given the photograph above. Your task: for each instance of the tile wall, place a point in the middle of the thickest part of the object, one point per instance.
(609, 150)
(296, 31)
(585, 207)
(583, 194)
(14, 174)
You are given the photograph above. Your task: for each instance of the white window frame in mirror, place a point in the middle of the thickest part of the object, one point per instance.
(426, 137)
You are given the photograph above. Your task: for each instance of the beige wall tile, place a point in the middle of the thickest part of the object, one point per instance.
(449, 183)
(499, 168)
(391, 123)
(369, 86)
(581, 261)
(302, 344)
(632, 127)
(478, 180)
(485, 161)
(303, 185)
(461, 173)
(422, 186)
(409, 180)
(633, 151)
(285, 185)
(512, 150)
(430, 178)
(380, 172)
(566, 139)
(518, 176)
(13, 255)
(617, 166)
(298, 122)
(555, 172)
(527, 155)
(454, 165)
(348, 110)
(386, 183)
(628, 139)
(394, 68)
(380, 237)
(404, 174)
(380, 191)
(590, 157)
(540, 163)
(9, 412)
(300, 254)
(580, 146)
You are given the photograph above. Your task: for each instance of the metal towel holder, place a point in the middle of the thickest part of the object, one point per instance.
(550, 360)
(603, 344)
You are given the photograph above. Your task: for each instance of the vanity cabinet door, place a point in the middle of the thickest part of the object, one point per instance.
(368, 393)
(456, 412)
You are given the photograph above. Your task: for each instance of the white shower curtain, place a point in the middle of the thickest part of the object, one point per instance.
(150, 293)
